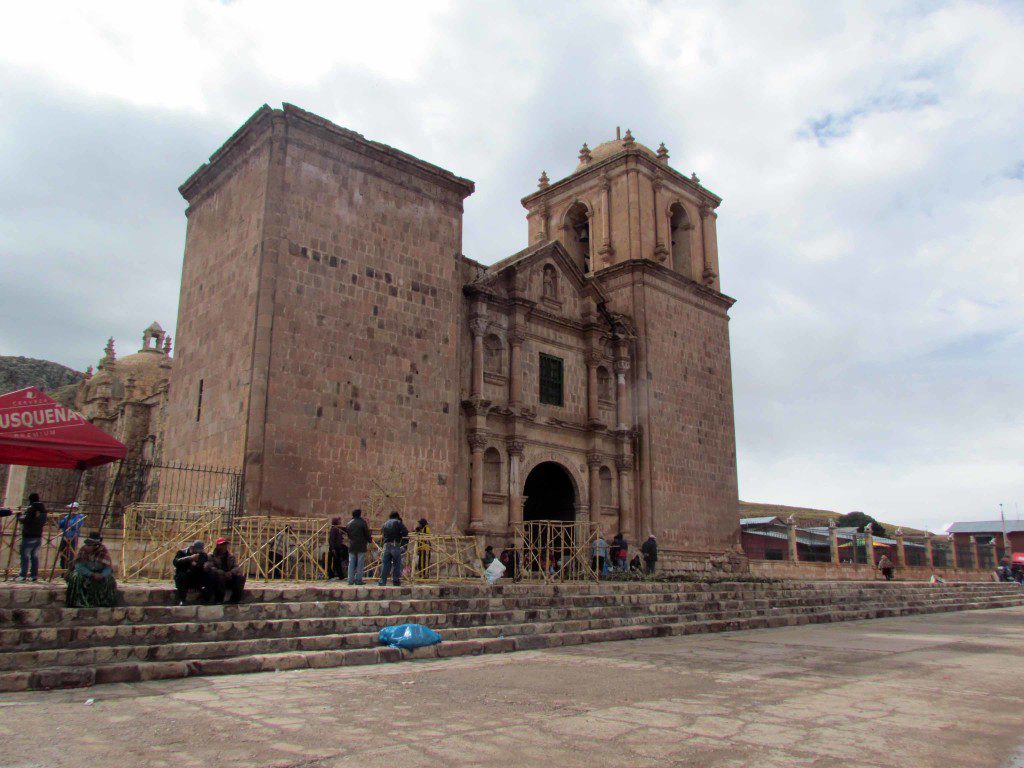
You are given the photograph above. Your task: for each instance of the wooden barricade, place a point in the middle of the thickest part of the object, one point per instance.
(152, 533)
(48, 554)
(443, 557)
(549, 550)
(289, 548)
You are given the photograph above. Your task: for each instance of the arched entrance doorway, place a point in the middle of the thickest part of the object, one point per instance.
(549, 494)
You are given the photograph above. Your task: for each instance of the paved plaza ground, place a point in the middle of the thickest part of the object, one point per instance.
(937, 690)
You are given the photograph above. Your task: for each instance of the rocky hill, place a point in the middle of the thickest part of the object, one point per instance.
(18, 372)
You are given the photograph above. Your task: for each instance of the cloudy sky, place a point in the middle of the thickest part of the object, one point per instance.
(870, 156)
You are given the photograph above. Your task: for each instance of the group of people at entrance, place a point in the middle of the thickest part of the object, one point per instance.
(87, 568)
(609, 558)
(347, 560)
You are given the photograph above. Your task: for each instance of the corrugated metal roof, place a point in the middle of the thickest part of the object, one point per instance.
(986, 526)
(757, 520)
(785, 536)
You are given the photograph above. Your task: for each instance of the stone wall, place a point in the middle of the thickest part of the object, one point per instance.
(860, 572)
(224, 256)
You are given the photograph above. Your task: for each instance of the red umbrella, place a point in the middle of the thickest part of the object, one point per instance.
(1018, 557)
(38, 431)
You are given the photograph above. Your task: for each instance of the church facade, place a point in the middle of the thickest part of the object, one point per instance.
(332, 339)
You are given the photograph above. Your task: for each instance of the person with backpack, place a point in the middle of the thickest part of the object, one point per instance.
(393, 533)
(358, 540)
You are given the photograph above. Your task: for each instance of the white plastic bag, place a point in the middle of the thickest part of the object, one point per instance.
(495, 570)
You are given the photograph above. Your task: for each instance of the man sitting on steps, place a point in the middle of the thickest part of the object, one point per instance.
(224, 573)
(190, 572)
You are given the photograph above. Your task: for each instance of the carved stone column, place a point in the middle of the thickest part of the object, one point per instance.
(606, 251)
(995, 552)
(833, 542)
(477, 443)
(622, 393)
(515, 498)
(625, 466)
(954, 557)
(869, 545)
(478, 327)
(515, 368)
(794, 552)
(901, 551)
(929, 560)
(707, 222)
(660, 249)
(593, 406)
(594, 463)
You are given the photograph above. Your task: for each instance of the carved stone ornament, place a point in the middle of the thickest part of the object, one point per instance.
(478, 325)
(622, 365)
(543, 182)
(515, 448)
(477, 441)
(594, 459)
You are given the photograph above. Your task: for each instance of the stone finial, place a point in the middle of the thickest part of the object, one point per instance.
(109, 356)
(693, 177)
(899, 531)
(167, 345)
(791, 520)
(543, 181)
(88, 372)
(628, 141)
(662, 152)
(585, 156)
(831, 522)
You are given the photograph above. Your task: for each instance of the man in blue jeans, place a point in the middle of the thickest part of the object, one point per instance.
(32, 520)
(394, 533)
(358, 539)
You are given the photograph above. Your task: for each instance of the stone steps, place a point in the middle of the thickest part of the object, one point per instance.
(207, 649)
(231, 622)
(253, 610)
(49, 646)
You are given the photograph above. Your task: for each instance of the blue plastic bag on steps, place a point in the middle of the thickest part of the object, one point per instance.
(408, 636)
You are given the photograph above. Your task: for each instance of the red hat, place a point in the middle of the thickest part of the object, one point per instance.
(220, 541)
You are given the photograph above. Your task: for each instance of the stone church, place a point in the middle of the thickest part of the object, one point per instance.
(332, 339)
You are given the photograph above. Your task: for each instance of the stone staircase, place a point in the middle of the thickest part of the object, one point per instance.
(44, 645)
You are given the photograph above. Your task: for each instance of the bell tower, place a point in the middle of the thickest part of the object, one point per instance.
(624, 202)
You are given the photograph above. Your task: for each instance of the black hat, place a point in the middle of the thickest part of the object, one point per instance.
(423, 521)
(94, 537)
(357, 513)
(33, 497)
(394, 515)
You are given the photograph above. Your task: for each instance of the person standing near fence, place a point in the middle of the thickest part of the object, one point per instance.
(422, 548)
(70, 525)
(358, 540)
(32, 520)
(649, 549)
(393, 533)
(337, 552)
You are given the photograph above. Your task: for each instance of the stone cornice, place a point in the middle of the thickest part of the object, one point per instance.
(603, 167)
(253, 129)
(648, 267)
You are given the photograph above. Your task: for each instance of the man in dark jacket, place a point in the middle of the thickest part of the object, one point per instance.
(394, 533)
(224, 573)
(337, 552)
(358, 540)
(649, 549)
(32, 520)
(190, 572)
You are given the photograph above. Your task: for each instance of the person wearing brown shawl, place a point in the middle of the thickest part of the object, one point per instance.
(91, 582)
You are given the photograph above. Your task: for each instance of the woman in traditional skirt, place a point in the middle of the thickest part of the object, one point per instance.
(91, 582)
